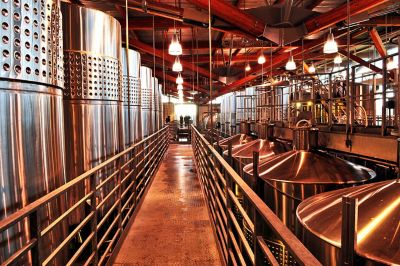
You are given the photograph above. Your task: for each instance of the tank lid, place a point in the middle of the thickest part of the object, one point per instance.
(378, 225)
(245, 151)
(305, 167)
(236, 140)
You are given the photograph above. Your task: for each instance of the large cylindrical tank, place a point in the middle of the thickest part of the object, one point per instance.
(146, 83)
(293, 176)
(131, 95)
(154, 105)
(31, 129)
(378, 217)
(160, 106)
(92, 98)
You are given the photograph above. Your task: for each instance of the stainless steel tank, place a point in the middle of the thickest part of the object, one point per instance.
(160, 107)
(154, 105)
(378, 238)
(146, 84)
(31, 118)
(131, 95)
(92, 96)
(293, 176)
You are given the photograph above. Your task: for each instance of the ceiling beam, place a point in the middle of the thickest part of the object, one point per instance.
(168, 58)
(361, 61)
(185, 83)
(376, 39)
(389, 21)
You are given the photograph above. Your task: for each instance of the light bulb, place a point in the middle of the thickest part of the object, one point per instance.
(175, 48)
(180, 87)
(337, 59)
(330, 46)
(248, 67)
(391, 64)
(179, 79)
(177, 66)
(311, 69)
(261, 59)
(291, 65)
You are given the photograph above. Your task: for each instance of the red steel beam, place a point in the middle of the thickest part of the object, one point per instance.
(376, 39)
(361, 61)
(390, 21)
(185, 83)
(171, 59)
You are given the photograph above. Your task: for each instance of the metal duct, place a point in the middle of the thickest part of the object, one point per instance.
(146, 84)
(154, 105)
(31, 115)
(92, 98)
(131, 97)
(378, 238)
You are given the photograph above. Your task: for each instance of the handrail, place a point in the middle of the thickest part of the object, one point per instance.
(222, 174)
(126, 167)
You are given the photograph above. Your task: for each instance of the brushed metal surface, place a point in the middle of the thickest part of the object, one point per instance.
(92, 96)
(160, 106)
(131, 96)
(31, 129)
(293, 176)
(154, 104)
(146, 84)
(378, 238)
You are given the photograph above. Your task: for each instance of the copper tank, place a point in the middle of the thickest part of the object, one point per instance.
(378, 237)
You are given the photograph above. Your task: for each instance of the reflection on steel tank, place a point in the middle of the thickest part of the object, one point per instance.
(154, 104)
(92, 98)
(146, 84)
(31, 115)
(160, 107)
(132, 97)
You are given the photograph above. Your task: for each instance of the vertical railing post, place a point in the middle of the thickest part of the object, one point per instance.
(93, 224)
(349, 230)
(120, 163)
(384, 85)
(34, 225)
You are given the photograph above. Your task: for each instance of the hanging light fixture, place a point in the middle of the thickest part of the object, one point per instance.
(311, 69)
(338, 59)
(261, 59)
(175, 48)
(179, 79)
(391, 64)
(177, 66)
(179, 87)
(330, 46)
(248, 67)
(291, 64)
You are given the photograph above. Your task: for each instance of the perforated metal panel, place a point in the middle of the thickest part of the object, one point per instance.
(89, 76)
(31, 41)
(133, 95)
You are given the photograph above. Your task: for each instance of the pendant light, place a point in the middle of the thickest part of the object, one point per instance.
(291, 64)
(330, 46)
(180, 87)
(391, 64)
(261, 59)
(179, 79)
(175, 48)
(338, 59)
(248, 67)
(311, 69)
(177, 66)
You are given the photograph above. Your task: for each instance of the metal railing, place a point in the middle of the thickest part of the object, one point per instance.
(243, 223)
(128, 174)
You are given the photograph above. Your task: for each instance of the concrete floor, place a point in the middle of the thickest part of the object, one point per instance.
(172, 226)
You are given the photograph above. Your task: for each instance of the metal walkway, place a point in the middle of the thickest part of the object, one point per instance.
(172, 226)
